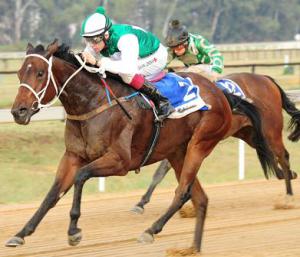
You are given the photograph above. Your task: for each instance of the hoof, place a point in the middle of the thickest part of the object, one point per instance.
(137, 209)
(287, 203)
(15, 241)
(75, 239)
(146, 238)
(294, 175)
(182, 252)
(187, 211)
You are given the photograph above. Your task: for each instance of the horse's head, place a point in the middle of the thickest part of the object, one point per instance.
(36, 85)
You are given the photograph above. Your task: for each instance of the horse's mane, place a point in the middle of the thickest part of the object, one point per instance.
(39, 49)
(65, 53)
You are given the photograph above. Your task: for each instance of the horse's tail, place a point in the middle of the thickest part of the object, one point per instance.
(290, 108)
(263, 151)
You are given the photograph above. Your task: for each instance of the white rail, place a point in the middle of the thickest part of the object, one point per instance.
(53, 113)
(58, 113)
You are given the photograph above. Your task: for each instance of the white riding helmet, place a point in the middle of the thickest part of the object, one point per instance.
(95, 24)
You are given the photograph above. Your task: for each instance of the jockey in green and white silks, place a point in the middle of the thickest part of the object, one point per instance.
(129, 51)
(194, 51)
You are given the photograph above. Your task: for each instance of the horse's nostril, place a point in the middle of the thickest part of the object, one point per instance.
(19, 112)
(22, 111)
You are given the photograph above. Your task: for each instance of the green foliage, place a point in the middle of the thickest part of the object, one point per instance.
(57, 16)
(287, 70)
(221, 21)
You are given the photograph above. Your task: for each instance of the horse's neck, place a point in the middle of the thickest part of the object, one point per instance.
(80, 92)
(83, 93)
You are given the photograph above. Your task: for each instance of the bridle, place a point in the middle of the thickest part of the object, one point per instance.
(41, 94)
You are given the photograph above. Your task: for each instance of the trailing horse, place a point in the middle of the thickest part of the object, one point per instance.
(270, 99)
(101, 141)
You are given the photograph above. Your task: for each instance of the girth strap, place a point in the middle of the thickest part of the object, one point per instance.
(93, 113)
(154, 139)
(156, 127)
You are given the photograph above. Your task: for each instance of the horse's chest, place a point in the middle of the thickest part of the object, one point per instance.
(95, 142)
(87, 143)
(95, 149)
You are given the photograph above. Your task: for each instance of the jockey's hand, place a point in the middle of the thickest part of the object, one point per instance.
(214, 76)
(89, 58)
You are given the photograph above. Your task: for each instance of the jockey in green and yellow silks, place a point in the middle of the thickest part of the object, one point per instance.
(134, 54)
(194, 51)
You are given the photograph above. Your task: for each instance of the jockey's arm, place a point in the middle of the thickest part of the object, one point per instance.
(173, 63)
(128, 62)
(212, 52)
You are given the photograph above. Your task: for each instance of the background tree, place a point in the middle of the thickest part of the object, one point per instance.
(221, 21)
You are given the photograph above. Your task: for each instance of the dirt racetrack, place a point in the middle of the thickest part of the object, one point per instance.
(241, 221)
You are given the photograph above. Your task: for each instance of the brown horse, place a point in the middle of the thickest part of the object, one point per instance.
(270, 99)
(101, 141)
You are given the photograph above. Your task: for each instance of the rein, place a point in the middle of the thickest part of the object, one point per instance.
(40, 95)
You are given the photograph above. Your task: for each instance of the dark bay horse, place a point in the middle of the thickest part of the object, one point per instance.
(101, 141)
(270, 99)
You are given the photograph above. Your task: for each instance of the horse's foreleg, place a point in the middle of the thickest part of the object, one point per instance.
(158, 176)
(69, 164)
(108, 165)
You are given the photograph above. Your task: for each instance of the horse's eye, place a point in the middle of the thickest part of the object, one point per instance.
(40, 73)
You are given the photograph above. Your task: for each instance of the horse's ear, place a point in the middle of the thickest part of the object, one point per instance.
(29, 48)
(52, 48)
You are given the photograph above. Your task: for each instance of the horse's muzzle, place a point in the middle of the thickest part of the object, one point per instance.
(22, 115)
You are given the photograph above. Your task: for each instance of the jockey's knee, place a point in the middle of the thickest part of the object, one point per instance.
(127, 78)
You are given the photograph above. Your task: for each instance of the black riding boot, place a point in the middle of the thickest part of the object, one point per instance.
(162, 104)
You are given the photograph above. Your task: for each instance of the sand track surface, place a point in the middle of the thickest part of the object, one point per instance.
(241, 221)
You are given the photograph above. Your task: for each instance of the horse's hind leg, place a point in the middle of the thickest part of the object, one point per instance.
(158, 176)
(283, 160)
(196, 153)
(277, 147)
(200, 203)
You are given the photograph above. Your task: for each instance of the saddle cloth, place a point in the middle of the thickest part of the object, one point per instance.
(229, 86)
(182, 94)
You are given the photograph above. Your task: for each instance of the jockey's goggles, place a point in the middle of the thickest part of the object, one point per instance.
(94, 40)
(179, 47)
